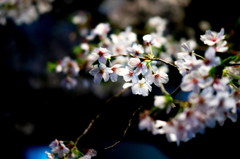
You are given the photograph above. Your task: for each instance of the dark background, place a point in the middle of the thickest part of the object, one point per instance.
(60, 114)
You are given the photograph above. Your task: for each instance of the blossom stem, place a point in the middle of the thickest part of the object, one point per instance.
(151, 50)
(235, 87)
(109, 60)
(198, 56)
(234, 76)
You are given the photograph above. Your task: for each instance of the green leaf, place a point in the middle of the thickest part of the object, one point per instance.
(95, 63)
(153, 110)
(77, 50)
(51, 66)
(168, 98)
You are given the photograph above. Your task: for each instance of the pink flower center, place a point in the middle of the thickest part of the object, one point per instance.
(137, 53)
(206, 61)
(148, 43)
(101, 71)
(216, 80)
(214, 39)
(180, 127)
(130, 73)
(238, 105)
(114, 69)
(189, 113)
(221, 103)
(70, 64)
(118, 50)
(139, 64)
(201, 100)
(157, 76)
(194, 81)
(100, 53)
(140, 84)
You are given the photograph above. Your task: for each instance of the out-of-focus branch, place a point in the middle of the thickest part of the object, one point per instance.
(129, 124)
(93, 120)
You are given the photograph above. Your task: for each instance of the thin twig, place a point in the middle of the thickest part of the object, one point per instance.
(145, 58)
(129, 124)
(163, 89)
(176, 91)
(93, 120)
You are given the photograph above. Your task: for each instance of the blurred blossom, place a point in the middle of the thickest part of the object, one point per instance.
(69, 83)
(127, 12)
(80, 18)
(204, 25)
(23, 11)
(26, 128)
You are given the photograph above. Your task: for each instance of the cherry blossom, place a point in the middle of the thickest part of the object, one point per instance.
(149, 39)
(141, 87)
(225, 106)
(101, 72)
(61, 150)
(159, 77)
(116, 71)
(127, 74)
(69, 83)
(102, 29)
(158, 22)
(102, 53)
(68, 66)
(49, 155)
(54, 144)
(89, 154)
(192, 81)
(210, 38)
(128, 36)
(136, 49)
(221, 46)
(187, 50)
(140, 66)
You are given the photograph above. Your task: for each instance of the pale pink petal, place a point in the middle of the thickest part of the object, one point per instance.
(126, 85)
(94, 71)
(113, 77)
(133, 62)
(106, 77)
(97, 78)
(135, 88)
(210, 53)
(102, 59)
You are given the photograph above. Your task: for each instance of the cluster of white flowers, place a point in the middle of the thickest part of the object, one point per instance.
(23, 11)
(212, 82)
(59, 150)
(141, 72)
(213, 97)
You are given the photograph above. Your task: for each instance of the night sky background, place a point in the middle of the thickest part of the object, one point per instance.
(59, 114)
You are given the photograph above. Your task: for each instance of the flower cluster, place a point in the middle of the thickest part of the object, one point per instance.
(142, 72)
(213, 98)
(23, 11)
(60, 151)
(212, 81)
